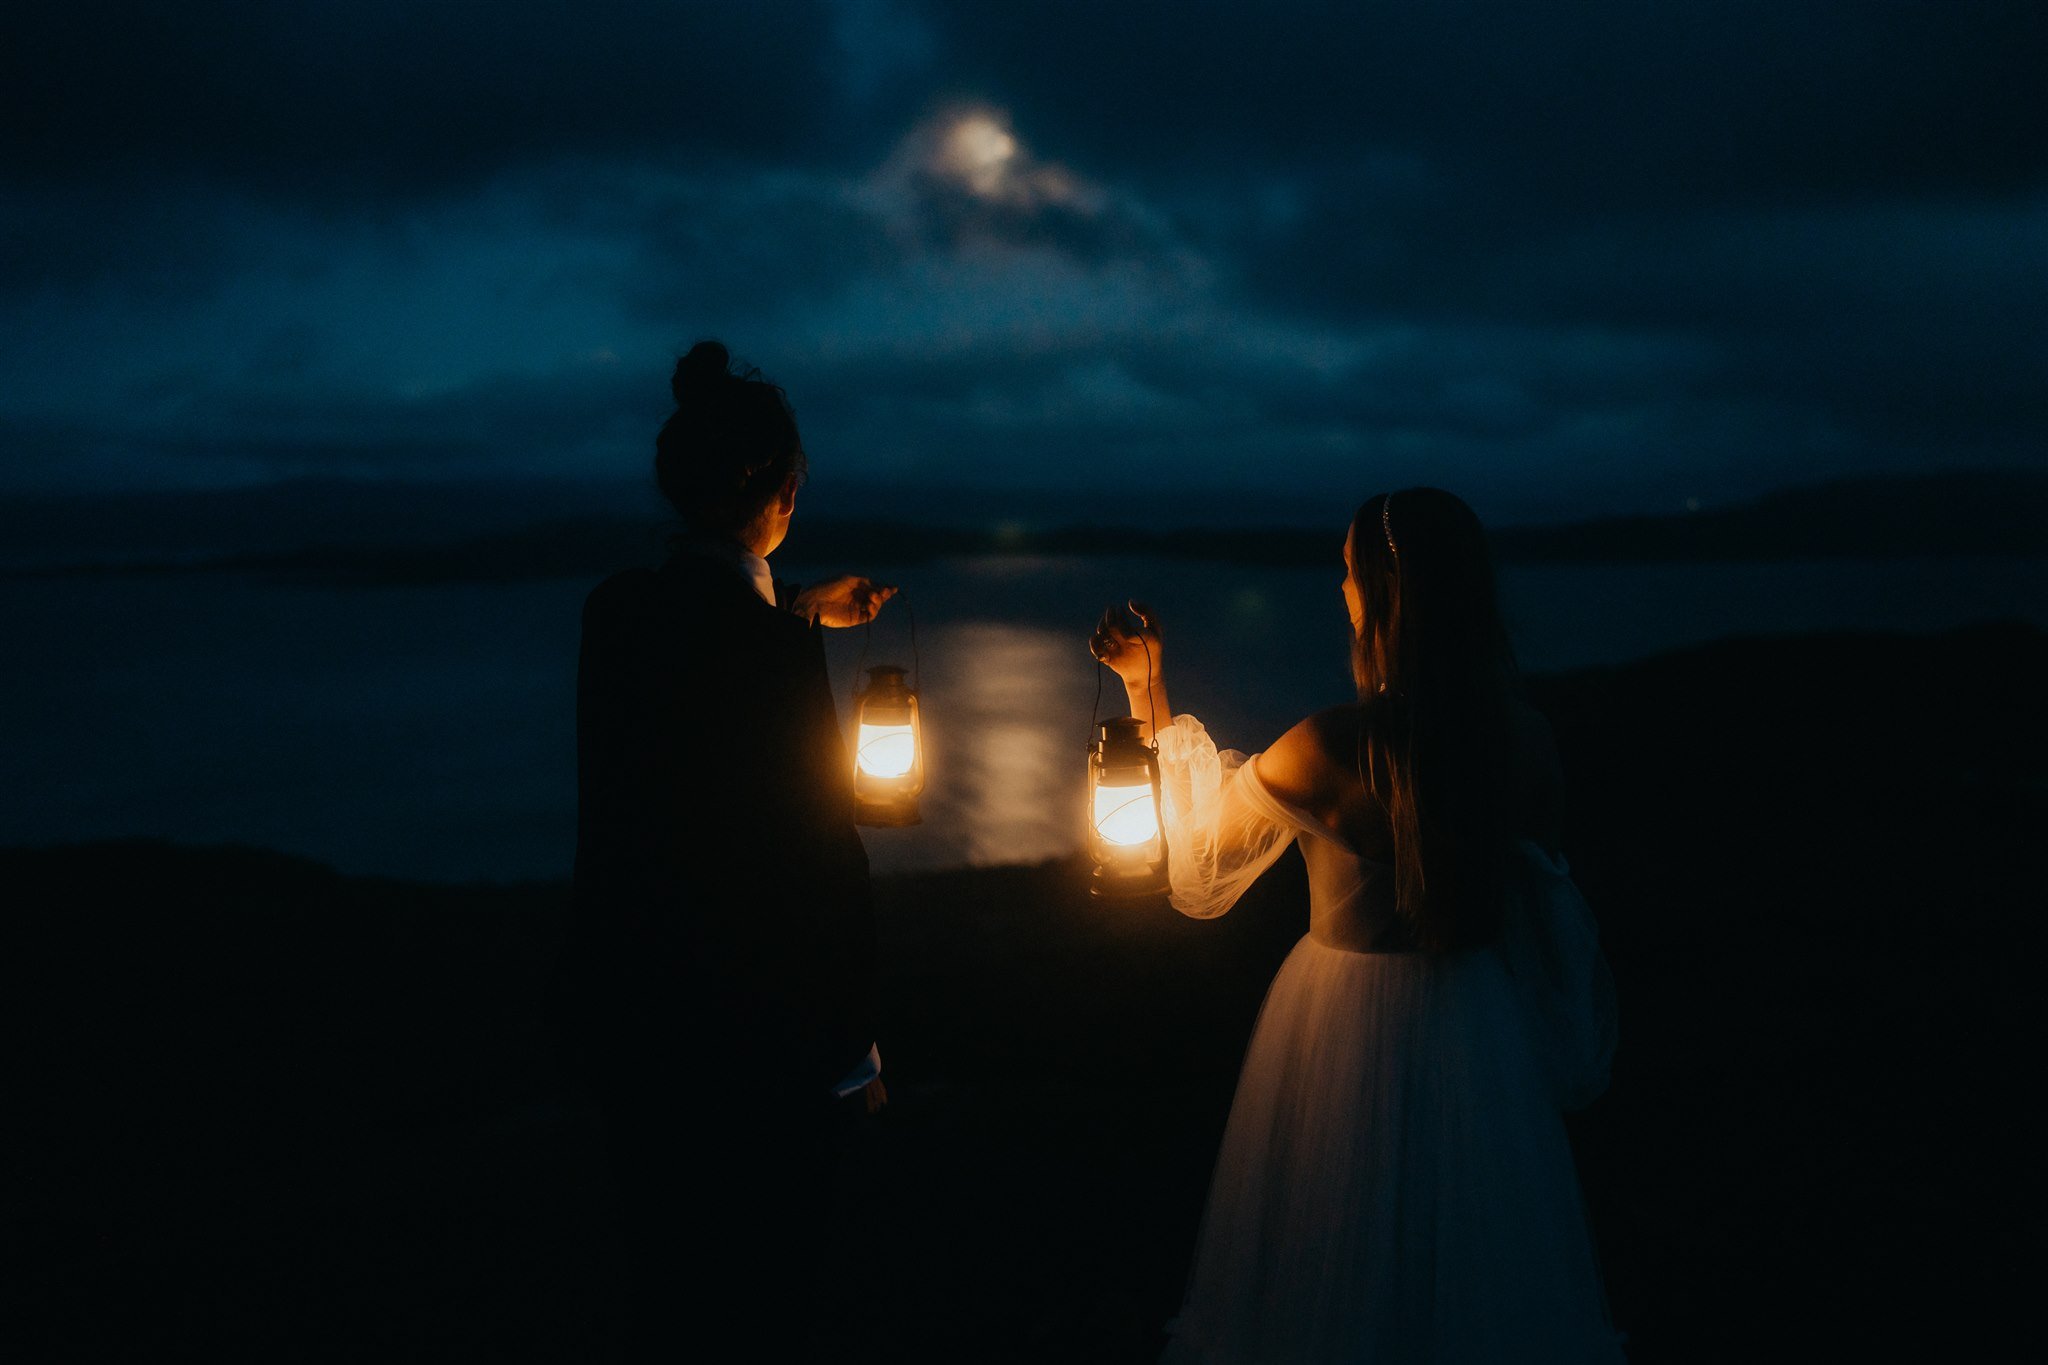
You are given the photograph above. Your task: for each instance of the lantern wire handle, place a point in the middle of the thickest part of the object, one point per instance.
(1095, 711)
(867, 638)
(1151, 697)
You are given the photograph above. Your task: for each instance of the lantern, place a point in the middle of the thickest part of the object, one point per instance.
(888, 750)
(1124, 834)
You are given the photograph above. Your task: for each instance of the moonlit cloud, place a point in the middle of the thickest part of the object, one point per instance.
(966, 175)
(978, 151)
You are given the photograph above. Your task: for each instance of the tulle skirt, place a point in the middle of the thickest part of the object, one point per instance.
(1395, 1183)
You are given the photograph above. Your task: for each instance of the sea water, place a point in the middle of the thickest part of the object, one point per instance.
(427, 732)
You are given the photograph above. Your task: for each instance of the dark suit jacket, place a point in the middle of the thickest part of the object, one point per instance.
(724, 926)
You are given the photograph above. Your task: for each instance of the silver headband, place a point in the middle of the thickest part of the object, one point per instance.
(1387, 525)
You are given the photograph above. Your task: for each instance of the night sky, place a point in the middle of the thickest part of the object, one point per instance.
(1570, 259)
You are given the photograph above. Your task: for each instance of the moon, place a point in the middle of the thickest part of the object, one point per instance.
(979, 151)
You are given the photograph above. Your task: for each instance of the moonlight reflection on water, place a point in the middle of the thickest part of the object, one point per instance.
(1005, 716)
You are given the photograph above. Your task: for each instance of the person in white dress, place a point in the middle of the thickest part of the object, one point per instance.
(1395, 1182)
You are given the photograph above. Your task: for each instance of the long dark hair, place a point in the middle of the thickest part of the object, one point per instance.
(724, 453)
(1436, 682)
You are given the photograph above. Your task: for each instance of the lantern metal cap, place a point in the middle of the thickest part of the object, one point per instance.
(886, 681)
(1122, 737)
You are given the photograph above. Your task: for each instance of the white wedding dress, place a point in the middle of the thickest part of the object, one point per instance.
(1394, 1183)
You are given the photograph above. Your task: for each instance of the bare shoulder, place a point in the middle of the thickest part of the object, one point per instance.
(1306, 766)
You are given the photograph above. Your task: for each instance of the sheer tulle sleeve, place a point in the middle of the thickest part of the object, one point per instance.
(1223, 828)
(1552, 949)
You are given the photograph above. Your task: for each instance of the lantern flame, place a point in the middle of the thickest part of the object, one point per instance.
(886, 750)
(1126, 816)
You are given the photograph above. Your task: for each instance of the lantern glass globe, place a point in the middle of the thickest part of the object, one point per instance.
(887, 750)
(1126, 816)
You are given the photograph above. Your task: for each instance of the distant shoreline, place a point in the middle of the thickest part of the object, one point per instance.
(591, 549)
(1956, 516)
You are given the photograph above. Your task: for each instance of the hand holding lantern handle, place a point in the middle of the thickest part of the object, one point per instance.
(1135, 657)
(848, 600)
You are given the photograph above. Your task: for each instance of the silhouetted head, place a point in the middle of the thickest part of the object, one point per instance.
(1420, 586)
(1436, 678)
(729, 459)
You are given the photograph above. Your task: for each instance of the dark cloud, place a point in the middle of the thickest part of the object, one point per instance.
(331, 100)
(1914, 269)
(1599, 106)
(504, 425)
(165, 244)
(710, 246)
(1136, 415)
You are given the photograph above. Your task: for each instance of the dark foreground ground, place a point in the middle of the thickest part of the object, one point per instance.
(263, 1111)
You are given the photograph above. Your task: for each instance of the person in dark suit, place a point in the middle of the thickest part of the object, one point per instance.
(722, 1000)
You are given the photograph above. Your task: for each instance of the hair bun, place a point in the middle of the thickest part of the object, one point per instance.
(706, 364)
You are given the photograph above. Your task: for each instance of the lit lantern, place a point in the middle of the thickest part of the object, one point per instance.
(1124, 835)
(888, 751)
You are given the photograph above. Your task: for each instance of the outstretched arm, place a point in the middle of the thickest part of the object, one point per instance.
(848, 600)
(1223, 827)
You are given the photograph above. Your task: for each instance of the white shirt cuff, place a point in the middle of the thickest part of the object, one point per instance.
(870, 1069)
